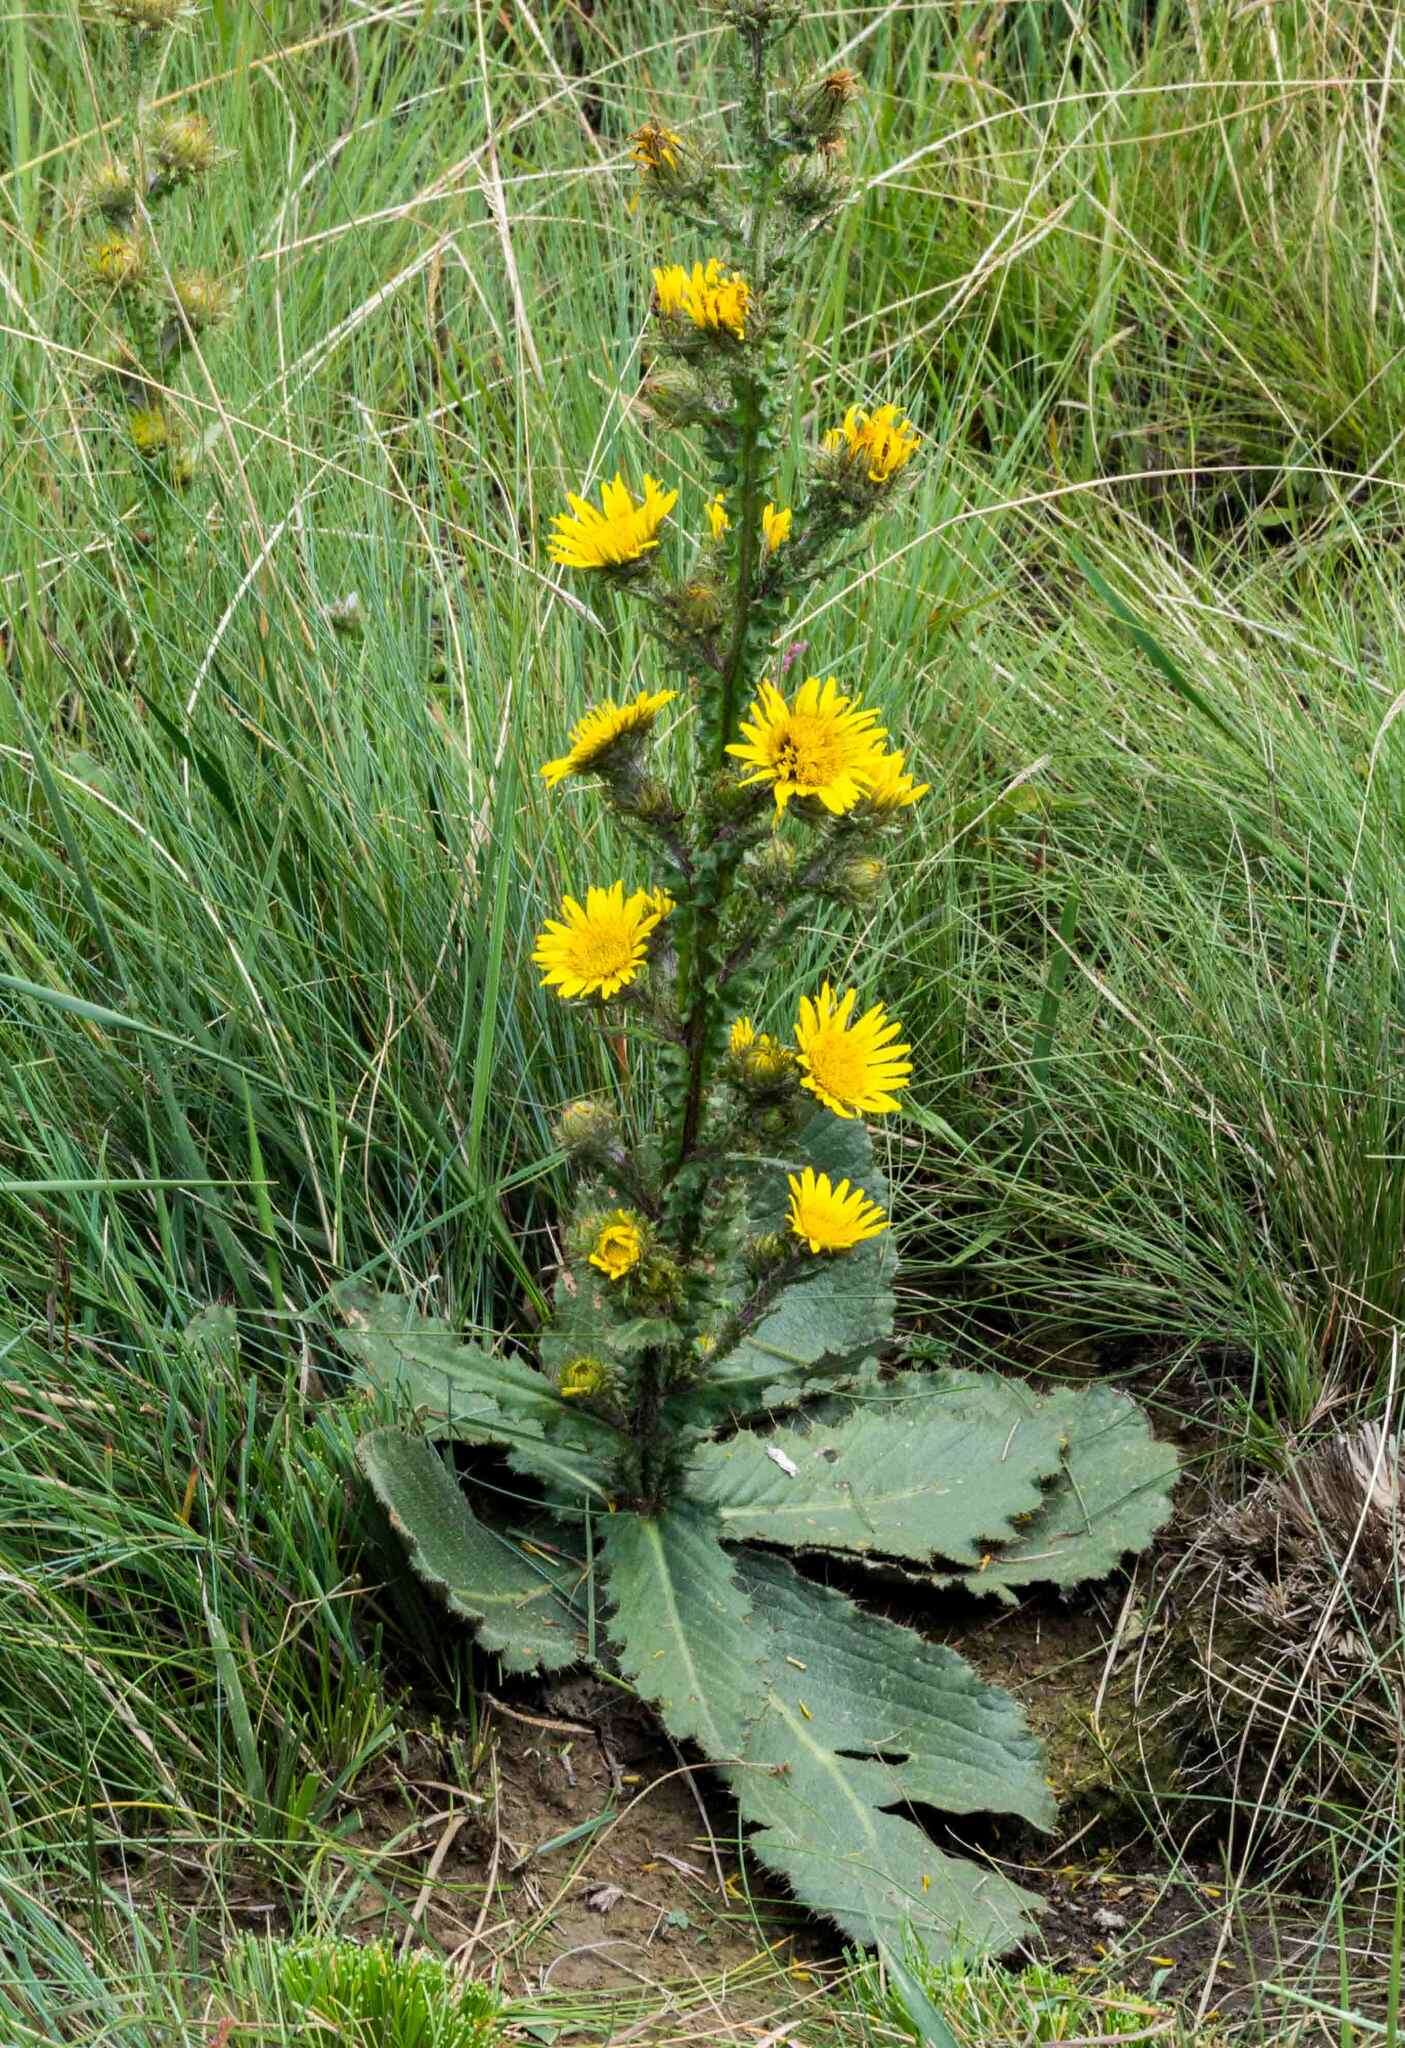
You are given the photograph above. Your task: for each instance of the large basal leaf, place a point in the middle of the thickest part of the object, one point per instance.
(682, 1625)
(1111, 1495)
(479, 1575)
(863, 1720)
(826, 1327)
(842, 1723)
(464, 1394)
(910, 1473)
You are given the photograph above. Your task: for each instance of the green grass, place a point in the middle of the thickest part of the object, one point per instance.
(266, 1018)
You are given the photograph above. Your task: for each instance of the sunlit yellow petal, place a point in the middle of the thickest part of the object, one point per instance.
(597, 948)
(823, 745)
(829, 1218)
(855, 1067)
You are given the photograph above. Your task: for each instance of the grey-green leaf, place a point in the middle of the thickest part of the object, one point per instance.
(1112, 1494)
(910, 1473)
(682, 1624)
(862, 1717)
(478, 1574)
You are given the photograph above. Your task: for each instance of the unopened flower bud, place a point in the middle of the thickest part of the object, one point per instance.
(184, 146)
(203, 299)
(149, 17)
(697, 605)
(764, 1253)
(773, 864)
(117, 261)
(814, 186)
(109, 189)
(678, 396)
(586, 1126)
(584, 1376)
(858, 879)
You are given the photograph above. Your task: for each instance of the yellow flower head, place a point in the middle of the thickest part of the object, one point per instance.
(855, 1069)
(763, 1059)
(889, 788)
(595, 736)
(619, 1244)
(743, 1034)
(718, 518)
(709, 296)
(662, 902)
(656, 148)
(824, 745)
(150, 429)
(621, 531)
(831, 1219)
(117, 260)
(598, 949)
(583, 1377)
(881, 443)
(775, 527)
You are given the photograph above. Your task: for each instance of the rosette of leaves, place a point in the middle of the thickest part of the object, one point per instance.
(832, 1728)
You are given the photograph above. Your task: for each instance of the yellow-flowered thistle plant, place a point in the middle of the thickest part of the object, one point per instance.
(794, 787)
(149, 309)
(707, 1393)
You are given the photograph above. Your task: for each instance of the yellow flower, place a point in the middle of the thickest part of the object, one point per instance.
(599, 949)
(583, 1376)
(619, 1244)
(743, 1035)
(707, 295)
(824, 745)
(717, 518)
(882, 442)
(656, 148)
(621, 531)
(775, 527)
(889, 788)
(763, 1058)
(662, 902)
(117, 260)
(853, 1068)
(831, 1219)
(149, 428)
(596, 735)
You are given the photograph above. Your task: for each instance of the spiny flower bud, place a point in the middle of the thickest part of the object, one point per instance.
(204, 300)
(149, 17)
(773, 865)
(818, 110)
(697, 605)
(117, 261)
(671, 163)
(762, 1254)
(678, 397)
(814, 186)
(184, 146)
(586, 1126)
(858, 879)
(773, 17)
(109, 189)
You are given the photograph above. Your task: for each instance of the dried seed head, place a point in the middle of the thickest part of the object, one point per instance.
(117, 261)
(184, 146)
(109, 189)
(817, 110)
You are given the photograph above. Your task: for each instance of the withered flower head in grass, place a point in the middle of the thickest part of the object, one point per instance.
(597, 735)
(597, 948)
(831, 1218)
(150, 429)
(880, 443)
(855, 1068)
(711, 298)
(619, 1244)
(823, 745)
(623, 529)
(889, 787)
